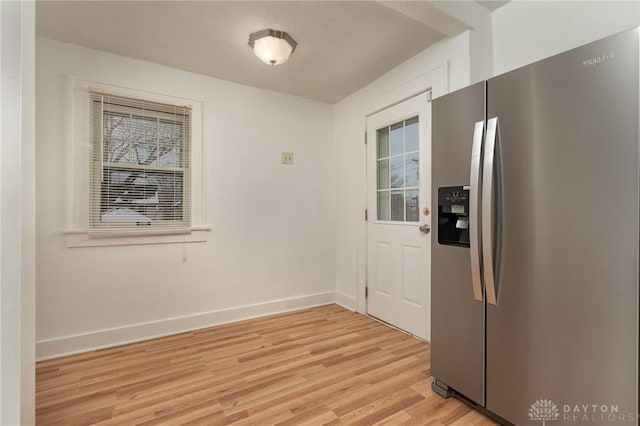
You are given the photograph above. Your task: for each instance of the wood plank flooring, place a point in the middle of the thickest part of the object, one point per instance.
(324, 365)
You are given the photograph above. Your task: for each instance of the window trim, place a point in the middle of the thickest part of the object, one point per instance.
(76, 149)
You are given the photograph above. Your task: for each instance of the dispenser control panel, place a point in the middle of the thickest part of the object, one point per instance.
(453, 216)
(454, 199)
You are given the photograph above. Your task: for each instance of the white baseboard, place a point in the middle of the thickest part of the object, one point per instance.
(345, 300)
(68, 345)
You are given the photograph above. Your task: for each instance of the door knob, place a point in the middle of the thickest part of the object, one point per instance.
(425, 229)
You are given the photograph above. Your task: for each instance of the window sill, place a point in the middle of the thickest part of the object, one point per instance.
(80, 238)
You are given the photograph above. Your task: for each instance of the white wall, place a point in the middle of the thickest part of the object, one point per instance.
(17, 214)
(481, 49)
(348, 134)
(272, 242)
(527, 31)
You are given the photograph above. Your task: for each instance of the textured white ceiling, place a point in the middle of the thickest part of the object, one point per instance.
(342, 45)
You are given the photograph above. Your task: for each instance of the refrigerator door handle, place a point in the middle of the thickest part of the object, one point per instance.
(474, 210)
(488, 214)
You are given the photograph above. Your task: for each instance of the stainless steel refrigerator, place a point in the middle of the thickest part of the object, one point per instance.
(535, 176)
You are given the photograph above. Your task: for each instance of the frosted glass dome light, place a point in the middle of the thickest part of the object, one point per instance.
(271, 46)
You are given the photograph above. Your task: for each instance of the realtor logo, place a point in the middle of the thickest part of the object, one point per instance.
(543, 410)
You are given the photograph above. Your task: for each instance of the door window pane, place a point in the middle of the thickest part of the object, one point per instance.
(397, 205)
(412, 163)
(411, 136)
(397, 172)
(383, 205)
(397, 142)
(383, 174)
(383, 142)
(413, 206)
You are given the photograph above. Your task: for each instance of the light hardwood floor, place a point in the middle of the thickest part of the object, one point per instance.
(324, 365)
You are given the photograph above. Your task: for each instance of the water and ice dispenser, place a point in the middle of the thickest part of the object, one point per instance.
(453, 216)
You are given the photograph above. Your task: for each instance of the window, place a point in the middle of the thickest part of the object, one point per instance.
(398, 163)
(140, 168)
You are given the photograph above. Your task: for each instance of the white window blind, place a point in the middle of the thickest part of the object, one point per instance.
(140, 167)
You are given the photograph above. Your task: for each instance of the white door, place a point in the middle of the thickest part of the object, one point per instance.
(398, 196)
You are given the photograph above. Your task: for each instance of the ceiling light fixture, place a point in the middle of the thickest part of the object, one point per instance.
(272, 47)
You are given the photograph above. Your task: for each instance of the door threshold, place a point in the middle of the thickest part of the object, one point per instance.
(396, 328)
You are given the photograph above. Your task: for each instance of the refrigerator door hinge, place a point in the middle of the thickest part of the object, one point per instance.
(429, 96)
(366, 215)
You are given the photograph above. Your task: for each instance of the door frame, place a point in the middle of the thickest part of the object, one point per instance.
(435, 80)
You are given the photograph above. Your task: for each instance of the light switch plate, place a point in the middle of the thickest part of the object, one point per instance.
(287, 158)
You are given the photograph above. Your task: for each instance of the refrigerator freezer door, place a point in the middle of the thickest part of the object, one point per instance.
(457, 319)
(565, 324)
